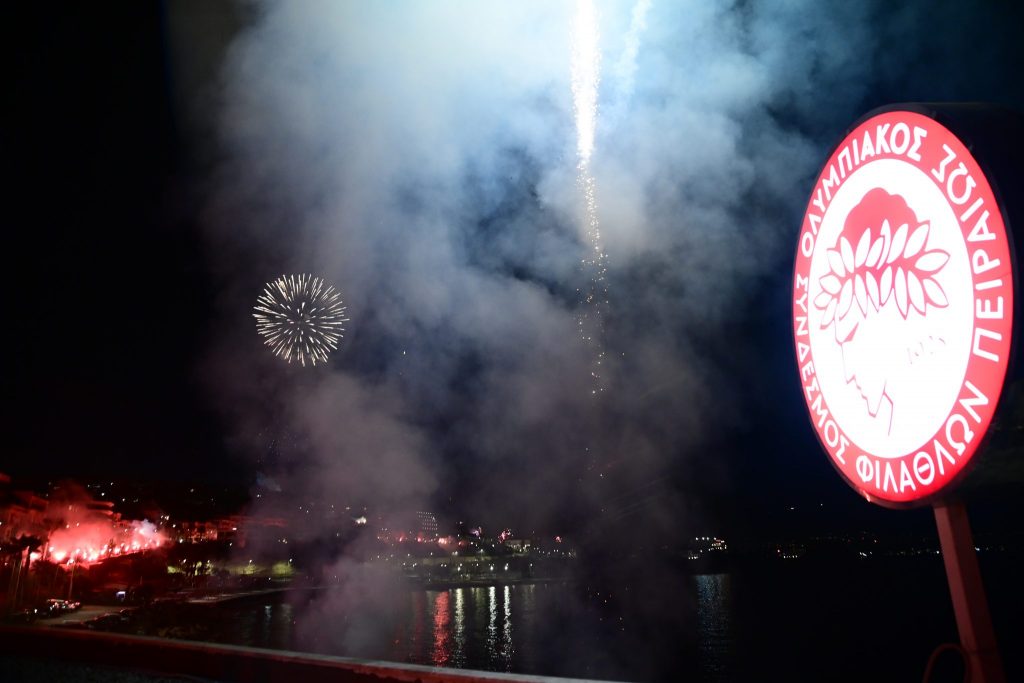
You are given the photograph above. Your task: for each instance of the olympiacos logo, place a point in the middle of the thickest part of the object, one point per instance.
(902, 307)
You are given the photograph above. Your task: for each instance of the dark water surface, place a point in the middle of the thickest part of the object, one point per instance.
(874, 622)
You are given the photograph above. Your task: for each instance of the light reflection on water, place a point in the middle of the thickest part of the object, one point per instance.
(516, 628)
(498, 627)
(548, 629)
(527, 628)
(459, 658)
(443, 651)
(702, 628)
(468, 626)
(506, 640)
(492, 624)
(714, 623)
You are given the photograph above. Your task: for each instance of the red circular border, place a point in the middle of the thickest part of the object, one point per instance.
(986, 375)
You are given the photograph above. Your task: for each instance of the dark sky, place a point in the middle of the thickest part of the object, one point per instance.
(108, 306)
(114, 133)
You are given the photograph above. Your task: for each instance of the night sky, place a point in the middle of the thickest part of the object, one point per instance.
(162, 172)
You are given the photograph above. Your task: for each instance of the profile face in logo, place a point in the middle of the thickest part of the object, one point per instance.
(882, 282)
(902, 307)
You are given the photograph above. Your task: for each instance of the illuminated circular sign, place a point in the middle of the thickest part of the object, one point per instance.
(902, 307)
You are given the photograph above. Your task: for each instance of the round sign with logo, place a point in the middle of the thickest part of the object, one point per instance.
(902, 307)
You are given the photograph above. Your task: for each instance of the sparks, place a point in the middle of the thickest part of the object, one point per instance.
(300, 317)
(586, 76)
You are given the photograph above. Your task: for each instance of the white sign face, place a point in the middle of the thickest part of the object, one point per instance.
(895, 346)
(902, 307)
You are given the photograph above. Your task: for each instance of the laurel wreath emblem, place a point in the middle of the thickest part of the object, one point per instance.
(893, 265)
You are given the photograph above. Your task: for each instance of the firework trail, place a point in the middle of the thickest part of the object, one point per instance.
(300, 317)
(586, 63)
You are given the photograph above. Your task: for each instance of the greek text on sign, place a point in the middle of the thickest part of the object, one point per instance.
(902, 307)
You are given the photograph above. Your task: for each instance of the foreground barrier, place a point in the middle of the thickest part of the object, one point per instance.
(213, 662)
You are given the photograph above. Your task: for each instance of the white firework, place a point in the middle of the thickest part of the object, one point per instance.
(586, 77)
(300, 317)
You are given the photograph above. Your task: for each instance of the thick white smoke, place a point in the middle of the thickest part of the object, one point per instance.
(423, 158)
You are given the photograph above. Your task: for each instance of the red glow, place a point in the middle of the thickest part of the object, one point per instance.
(88, 535)
(442, 634)
(93, 541)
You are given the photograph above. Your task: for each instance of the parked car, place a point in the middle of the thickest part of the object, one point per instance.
(55, 606)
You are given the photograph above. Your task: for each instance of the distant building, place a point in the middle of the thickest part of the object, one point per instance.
(22, 513)
(427, 523)
(519, 545)
(196, 532)
(709, 544)
(232, 528)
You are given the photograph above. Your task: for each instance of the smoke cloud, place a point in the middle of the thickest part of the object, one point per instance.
(79, 528)
(422, 159)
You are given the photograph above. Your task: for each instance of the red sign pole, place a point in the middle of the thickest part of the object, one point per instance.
(977, 637)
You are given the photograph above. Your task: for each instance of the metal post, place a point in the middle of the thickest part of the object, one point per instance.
(977, 636)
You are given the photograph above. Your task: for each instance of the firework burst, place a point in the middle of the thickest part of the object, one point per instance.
(300, 317)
